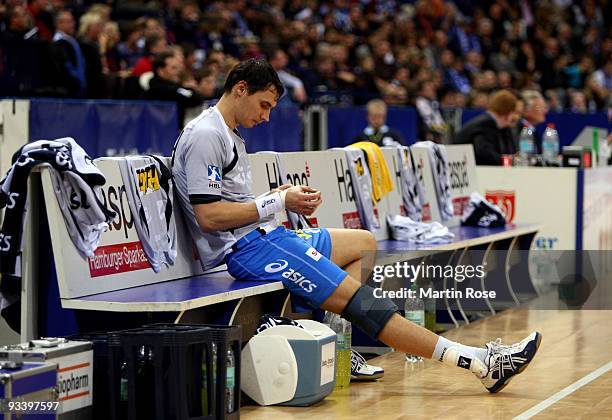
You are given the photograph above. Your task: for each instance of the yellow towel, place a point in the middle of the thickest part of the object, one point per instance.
(381, 180)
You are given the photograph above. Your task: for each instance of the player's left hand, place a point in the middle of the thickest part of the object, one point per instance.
(311, 205)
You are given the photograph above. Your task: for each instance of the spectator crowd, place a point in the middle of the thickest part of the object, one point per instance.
(429, 53)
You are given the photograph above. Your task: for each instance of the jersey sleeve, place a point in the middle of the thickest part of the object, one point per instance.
(204, 165)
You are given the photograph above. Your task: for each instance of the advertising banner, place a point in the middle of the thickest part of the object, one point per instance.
(597, 209)
(119, 261)
(535, 195)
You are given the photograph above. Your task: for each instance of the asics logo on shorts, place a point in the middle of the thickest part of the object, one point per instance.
(277, 266)
(300, 280)
(291, 274)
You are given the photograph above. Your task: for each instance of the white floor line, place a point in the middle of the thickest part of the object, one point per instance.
(564, 392)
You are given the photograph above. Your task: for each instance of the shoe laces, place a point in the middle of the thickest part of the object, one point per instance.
(501, 363)
(497, 346)
(357, 360)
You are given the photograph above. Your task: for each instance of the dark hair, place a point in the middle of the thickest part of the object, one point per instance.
(202, 73)
(159, 61)
(258, 75)
(150, 41)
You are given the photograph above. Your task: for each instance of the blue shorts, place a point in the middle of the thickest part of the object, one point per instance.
(300, 259)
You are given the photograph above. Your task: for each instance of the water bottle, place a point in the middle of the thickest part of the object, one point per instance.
(526, 145)
(342, 328)
(145, 382)
(414, 310)
(550, 145)
(595, 147)
(230, 381)
(123, 390)
(204, 381)
(429, 304)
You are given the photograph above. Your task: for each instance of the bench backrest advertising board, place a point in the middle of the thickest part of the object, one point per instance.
(119, 261)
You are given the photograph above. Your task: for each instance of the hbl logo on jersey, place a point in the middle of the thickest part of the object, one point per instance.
(214, 177)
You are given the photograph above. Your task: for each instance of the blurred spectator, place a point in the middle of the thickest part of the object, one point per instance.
(478, 99)
(456, 78)
(42, 18)
(600, 83)
(384, 60)
(293, 85)
(546, 63)
(109, 42)
(554, 101)
(70, 59)
(90, 28)
(575, 74)
(463, 40)
(165, 84)
(19, 24)
(490, 132)
(578, 102)
(128, 49)
(432, 126)
(535, 108)
(377, 130)
(188, 27)
(504, 80)
(206, 84)
(154, 44)
(503, 60)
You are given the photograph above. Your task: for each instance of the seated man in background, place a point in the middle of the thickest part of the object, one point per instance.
(321, 269)
(166, 84)
(490, 133)
(535, 108)
(377, 130)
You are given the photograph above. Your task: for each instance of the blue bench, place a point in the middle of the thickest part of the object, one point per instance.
(194, 296)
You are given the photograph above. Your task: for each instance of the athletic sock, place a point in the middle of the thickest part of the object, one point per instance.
(456, 354)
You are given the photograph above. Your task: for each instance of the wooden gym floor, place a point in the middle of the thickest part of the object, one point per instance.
(570, 377)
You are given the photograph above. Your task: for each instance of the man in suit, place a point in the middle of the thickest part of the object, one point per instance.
(490, 133)
(166, 84)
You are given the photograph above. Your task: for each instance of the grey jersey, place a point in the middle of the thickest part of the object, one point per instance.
(210, 164)
(149, 190)
(362, 187)
(441, 176)
(413, 196)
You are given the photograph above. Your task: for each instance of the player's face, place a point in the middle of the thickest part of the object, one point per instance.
(255, 108)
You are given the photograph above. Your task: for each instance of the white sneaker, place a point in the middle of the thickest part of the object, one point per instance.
(503, 362)
(361, 371)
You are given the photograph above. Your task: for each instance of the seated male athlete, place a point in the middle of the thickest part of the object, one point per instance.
(213, 182)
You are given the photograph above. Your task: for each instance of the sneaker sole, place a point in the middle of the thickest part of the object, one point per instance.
(367, 378)
(495, 388)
